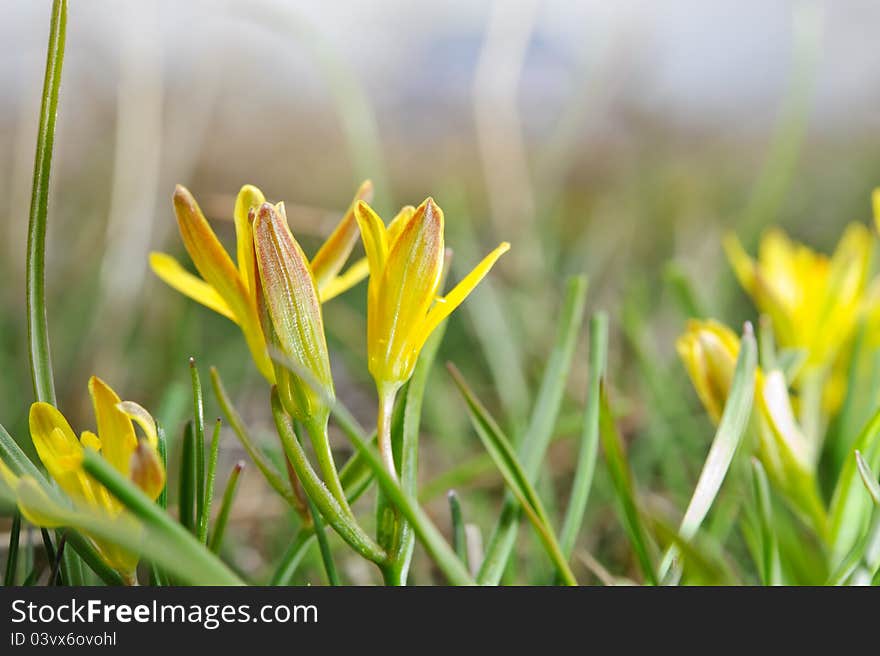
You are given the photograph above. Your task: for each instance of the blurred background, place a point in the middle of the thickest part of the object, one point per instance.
(617, 139)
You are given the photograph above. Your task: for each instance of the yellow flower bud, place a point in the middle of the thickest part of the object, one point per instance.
(709, 350)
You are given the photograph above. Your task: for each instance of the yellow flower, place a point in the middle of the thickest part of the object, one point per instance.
(288, 299)
(813, 301)
(229, 289)
(62, 454)
(709, 350)
(403, 309)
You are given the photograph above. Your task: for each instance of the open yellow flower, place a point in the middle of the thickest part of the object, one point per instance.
(229, 288)
(813, 301)
(62, 454)
(403, 309)
(709, 350)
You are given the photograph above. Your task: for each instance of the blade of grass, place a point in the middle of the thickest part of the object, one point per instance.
(770, 564)
(292, 558)
(38, 329)
(731, 428)
(225, 507)
(199, 446)
(624, 487)
(428, 534)
(589, 442)
(273, 478)
(203, 566)
(323, 545)
(502, 453)
(459, 542)
(162, 439)
(12, 551)
(868, 478)
(186, 501)
(209, 483)
(534, 444)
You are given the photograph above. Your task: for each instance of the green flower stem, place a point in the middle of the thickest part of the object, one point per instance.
(387, 396)
(225, 507)
(209, 483)
(337, 516)
(435, 544)
(317, 431)
(143, 508)
(186, 500)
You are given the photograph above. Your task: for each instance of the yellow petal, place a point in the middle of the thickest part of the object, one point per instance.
(332, 255)
(60, 451)
(373, 235)
(143, 418)
(176, 277)
(36, 506)
(444, 306)
(398, 223)
(215, 266)
(147, 471)
(248, 198)
(340, 284)
(89, 440)
(408, 288)
(8, 476)
(115, 429)
(875, 202)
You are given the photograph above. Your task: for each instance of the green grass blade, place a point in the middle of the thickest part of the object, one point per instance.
(624, 487)
(292, 558)
(731, 428)
(12, 551)
(273, 478)
(540, 430)
(225, 508)
(459, 540)
(323, 545)
(198, 565)
(589, 442)
(210, 474)
(162, 439)
(199, 446)
(770, 564)
(186, 500)
(38, 329)
(868, 478)
(502, 453)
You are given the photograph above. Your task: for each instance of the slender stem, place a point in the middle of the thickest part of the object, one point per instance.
(343, 522)
(163, 456)
(199, 434)
(12, 557)
(269, 473)
(225, 507)
(38, 329)
(324, 545)
(459, 542)
(387, 395)
(186, 499)
(209, 483)
(292, 557)
(317, 431)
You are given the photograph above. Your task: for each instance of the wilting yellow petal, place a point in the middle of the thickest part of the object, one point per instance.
(332, 255)
(445, 305)
(249, 197)
(176, 277)
(340, 284)
(216, 267)
(142, 418)
(35, 504)
(147, 471)
(115, 429)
